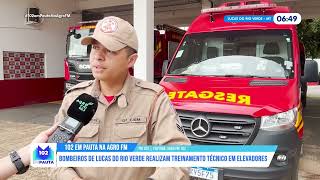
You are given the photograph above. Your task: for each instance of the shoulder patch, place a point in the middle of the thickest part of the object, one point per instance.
(80, 86)
(148, 85)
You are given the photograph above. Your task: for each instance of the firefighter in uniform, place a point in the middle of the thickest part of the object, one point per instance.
(129, 110)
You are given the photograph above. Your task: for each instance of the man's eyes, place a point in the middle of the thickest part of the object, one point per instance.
(106, 50)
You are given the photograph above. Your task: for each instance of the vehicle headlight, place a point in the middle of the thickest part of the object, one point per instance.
(280, 121)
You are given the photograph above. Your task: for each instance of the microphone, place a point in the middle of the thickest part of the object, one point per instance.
(79, 114)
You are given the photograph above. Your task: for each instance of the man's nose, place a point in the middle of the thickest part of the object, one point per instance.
(98, 55)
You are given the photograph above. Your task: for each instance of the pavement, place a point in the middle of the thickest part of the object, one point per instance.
(310, 160)
(20, 125)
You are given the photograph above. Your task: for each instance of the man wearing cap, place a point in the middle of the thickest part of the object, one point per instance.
(129, 110)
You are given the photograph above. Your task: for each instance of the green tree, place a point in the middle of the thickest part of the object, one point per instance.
(309, 35)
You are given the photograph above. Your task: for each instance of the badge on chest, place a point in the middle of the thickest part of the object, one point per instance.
(127, 120)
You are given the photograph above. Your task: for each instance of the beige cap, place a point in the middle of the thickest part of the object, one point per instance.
(113, 33)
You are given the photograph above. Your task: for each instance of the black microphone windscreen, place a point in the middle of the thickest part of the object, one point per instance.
(83, 108)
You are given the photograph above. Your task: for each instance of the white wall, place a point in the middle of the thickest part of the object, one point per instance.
(177, 17)
(48, 38)
(90, 4)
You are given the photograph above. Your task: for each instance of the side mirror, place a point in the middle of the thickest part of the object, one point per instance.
(77, 36)
(311, 71)
(164, 67)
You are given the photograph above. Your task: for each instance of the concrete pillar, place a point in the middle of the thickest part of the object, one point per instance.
(143, 18)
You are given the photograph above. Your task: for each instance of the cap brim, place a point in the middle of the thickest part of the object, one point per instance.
(87, 40)
(107, 41)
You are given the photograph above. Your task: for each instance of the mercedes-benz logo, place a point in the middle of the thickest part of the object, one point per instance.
(200, 127)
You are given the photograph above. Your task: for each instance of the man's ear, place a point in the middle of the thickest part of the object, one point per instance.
(132, 60)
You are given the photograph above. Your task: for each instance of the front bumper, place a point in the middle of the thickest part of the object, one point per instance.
(288, 143)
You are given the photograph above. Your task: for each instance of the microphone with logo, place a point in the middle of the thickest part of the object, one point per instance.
(79, 114)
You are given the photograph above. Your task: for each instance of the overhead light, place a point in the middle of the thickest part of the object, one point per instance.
(237, 8)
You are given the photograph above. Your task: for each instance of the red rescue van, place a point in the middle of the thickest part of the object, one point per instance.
(239, 84)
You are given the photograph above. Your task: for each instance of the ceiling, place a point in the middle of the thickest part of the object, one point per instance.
(182, 12)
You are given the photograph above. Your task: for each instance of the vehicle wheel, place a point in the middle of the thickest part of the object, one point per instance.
(295, 174)
(304, 102)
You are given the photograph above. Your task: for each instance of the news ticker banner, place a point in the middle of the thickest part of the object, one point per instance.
(279, 18)
(134, 155)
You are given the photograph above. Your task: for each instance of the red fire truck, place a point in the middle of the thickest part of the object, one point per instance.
(77, 68)
(239, 84)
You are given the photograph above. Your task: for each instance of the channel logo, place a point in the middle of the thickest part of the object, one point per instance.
(44, 155)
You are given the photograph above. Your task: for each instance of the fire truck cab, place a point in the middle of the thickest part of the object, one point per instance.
(77, 67)
(239, 84)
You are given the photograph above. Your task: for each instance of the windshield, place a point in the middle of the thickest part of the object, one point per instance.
(75, 48)
(255, 53)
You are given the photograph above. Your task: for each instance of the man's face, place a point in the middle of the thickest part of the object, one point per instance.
(107, 65)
